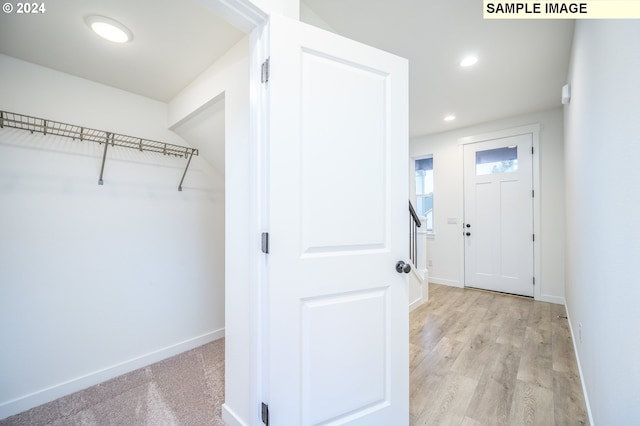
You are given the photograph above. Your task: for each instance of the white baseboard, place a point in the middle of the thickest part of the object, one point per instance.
(26, 402)
(415, 304)
(551, 299)
(575, 351)
(231, 418)
(443, 281)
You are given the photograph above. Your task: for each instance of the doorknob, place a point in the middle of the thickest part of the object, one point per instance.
(403, 267)
(468, 225)
(467, 234)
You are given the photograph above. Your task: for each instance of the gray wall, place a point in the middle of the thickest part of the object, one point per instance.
(602, 140)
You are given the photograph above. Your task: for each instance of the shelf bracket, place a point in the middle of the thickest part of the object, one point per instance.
(104, 157)
(185, 170)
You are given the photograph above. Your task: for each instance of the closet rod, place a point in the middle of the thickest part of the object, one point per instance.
(50, 127)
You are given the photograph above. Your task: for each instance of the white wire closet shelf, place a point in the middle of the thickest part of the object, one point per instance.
(51, 127)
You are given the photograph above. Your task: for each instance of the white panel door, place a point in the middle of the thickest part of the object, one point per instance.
(337, 310)
(498, 211)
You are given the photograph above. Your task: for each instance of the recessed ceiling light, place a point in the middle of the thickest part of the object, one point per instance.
(468, 61)
(109, 29)
(450, 118)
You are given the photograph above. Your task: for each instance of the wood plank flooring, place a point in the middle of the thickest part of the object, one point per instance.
(482, 358)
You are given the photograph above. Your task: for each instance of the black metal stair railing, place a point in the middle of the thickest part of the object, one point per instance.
(414, 224)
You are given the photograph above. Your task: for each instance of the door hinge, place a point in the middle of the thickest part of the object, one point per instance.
(533, 194)
(265, 414)
(531, 150)
(265, 71)
(534, 280)
(534, 237)
(265, 242)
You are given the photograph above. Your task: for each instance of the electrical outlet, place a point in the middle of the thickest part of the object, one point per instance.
(430, 262)
(580, 332)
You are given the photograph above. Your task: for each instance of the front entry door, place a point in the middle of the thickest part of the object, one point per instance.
(337, 310)
(498, 211)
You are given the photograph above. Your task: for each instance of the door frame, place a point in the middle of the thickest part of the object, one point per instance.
(534, 131)
(246, 16)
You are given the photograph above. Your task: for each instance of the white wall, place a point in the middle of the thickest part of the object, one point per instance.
(230, 76)
(446, 247)
(602, 125)
(206, 128)
(288, 8)
(309, 16)
(98, 280)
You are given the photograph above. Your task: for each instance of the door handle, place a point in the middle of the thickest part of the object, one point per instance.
(403, 267)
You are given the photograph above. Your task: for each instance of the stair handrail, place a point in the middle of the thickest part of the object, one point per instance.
(414, 215)
(414, 224)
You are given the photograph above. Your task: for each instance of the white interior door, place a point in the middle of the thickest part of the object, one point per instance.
(498, 210)
(337, 333)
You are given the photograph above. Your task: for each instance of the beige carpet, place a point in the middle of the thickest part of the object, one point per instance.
(187, 389)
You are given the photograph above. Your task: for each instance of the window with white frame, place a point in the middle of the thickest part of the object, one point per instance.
(424, 191)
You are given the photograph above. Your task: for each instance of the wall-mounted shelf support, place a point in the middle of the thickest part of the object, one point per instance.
(104, 157)
(50, 127)
(185, 171)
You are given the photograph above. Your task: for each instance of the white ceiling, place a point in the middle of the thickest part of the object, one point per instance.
(522, 67)
(522, 64)
(173, 42)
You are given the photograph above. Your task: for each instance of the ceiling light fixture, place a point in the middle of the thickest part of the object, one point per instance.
(450, 118)
(109, 29)
(468, 61)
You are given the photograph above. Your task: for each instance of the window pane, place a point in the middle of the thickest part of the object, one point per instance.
(424, 164)
(424, 191)
(419, 181)
(424, 209)
(424, 175)
(424, 181)
(498, 160)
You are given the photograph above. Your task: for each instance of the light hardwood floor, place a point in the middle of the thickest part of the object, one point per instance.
(483, 358)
